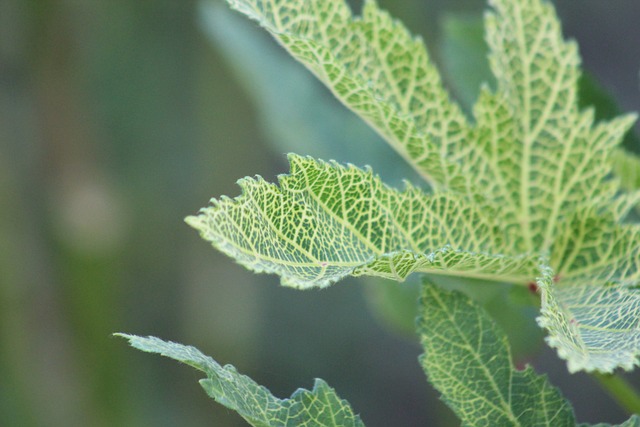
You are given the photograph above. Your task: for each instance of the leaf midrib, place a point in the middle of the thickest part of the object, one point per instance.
(506, 405)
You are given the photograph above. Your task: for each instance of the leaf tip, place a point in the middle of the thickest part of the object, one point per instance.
(194, 221)
(122, 335)
(134, 341)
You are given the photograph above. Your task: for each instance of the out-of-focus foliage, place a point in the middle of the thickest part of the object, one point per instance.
(117, 118)
(304, 118)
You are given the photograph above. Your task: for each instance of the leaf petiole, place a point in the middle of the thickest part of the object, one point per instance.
(620, 390)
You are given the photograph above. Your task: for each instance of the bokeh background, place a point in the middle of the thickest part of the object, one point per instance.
(117, 119)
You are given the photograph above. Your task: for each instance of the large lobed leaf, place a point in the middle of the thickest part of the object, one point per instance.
(319, 407)
(533, 153)
(524, 193)
(542, 158)
(593, 268)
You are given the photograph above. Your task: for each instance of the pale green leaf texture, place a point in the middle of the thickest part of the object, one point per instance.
(326, 221)
(591, 307)
(593, 326)
(626, 166)
(468, 360)
(377, 69)
(542, 159)
(319, 407)
(530, 180)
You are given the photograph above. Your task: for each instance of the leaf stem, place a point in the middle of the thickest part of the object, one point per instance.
(511, 280)
(620, 390)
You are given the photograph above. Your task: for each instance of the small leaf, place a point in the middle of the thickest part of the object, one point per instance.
(318, 407)
(468, 360)
(592, 306)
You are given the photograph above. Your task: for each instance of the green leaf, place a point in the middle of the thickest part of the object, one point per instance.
(468, 360)
(317, 407)
(464, 59)
(606, 348)
(523, 193)
(289, 100)
(377, 69)
(626, 166)
(545, 158)
(326, 221)
(593, 326)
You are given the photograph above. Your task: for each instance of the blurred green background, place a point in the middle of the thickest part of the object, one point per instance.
(117, 119)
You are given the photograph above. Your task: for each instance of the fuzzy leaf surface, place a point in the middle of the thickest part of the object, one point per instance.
(289, 99)
(377, 69)
(319, 407)
(516, 190)
(543, 158)
(325, 221)
(592, 313)
(591, 254)
(591, 307)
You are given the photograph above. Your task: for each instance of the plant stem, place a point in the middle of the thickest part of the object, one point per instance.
(622, 392)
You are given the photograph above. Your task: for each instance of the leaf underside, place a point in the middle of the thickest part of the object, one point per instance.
(326, 221)
(523, 192)
(319, 407)
(289, 99)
